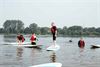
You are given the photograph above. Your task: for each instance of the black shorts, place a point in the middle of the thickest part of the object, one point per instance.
(54, 37)
(33, 43)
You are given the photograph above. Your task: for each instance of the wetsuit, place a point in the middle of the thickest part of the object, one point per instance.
(53, 30)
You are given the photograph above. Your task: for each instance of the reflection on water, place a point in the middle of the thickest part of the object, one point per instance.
(81, 50)
(9, 38)
(53, 57)
(19, 52)
(81, 54)
(70, 55)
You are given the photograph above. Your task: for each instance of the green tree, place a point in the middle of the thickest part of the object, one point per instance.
(33, 28)
(59, 31)
(98, 30)
(45, 30)
(13, 26)
(1, 30)
(90, 31)
(27, 30)
(64, 30)
(75, 30)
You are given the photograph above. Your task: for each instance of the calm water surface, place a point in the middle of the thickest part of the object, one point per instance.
(70, 55)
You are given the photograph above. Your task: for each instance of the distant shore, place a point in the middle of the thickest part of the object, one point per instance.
(49, 35)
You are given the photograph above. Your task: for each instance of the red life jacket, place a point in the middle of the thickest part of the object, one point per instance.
(53, 29)
(23, 39)
(81, 43)
(33, 38)
(19, 37)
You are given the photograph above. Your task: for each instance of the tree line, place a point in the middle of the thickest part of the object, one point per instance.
(17, 26)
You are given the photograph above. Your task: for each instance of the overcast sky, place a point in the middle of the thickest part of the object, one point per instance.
(85, 13)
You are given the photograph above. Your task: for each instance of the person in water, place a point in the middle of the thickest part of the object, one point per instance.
(70, 40)
(54, 32)
(81, 43)
(33, 39)
(20, 39)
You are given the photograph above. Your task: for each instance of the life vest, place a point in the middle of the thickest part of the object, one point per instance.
(20, 37)
(81, 43)
(33, 38)
(53, 29)
(23, 39)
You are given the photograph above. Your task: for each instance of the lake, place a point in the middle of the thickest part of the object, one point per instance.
(70, 55)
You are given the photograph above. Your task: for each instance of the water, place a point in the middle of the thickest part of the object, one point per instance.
(70, 55)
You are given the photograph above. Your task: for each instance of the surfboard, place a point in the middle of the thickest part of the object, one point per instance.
(48, 65)
(95, 46)
(53, 48)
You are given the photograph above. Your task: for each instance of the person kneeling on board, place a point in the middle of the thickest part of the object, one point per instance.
(20, 39)
(33, 39)
(81, 43)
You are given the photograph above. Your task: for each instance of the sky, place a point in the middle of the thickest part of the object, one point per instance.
(85, 13)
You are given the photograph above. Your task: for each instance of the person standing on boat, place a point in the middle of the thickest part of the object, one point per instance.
(54, 32)
(81, 43)
(33, 39)
(20, 39)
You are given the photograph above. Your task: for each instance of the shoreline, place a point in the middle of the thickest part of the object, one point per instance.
(51, 35)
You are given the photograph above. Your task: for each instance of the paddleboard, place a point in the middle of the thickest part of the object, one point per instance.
(27, 45)
(53, 48)
(95, 46)
(48, 65)
(18, 43)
